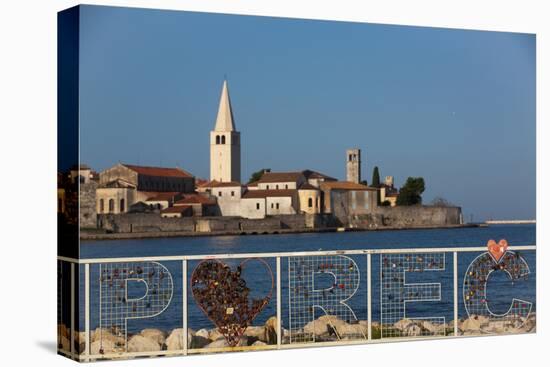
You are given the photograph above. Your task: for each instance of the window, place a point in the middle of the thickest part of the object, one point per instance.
(310, 203)
(286, 187)
(81, 179)
(257, 206)
(101, 205)
(267, 187)
(217, 139)
(122, 205)
(350, 157)
(277, 205)
(277, 187)
(219, 193)
(232, 193)
(223, 139)
(111, 205)
(271, 205)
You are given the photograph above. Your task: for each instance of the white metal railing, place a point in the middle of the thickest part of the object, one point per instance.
(184, 259)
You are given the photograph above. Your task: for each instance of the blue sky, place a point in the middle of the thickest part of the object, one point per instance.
(455, 107)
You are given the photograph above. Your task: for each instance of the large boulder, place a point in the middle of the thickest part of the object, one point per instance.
(107, 346)
(175, 340)
(412, 330)
(352, 331)
(403, 324)
(409, 327)
(203, 333)
(64, 343)
(104, 334)
(215, 334)
(255, 333)
(63, 330)
(157, 335)
(222, 343)
(270, 330)
(139, 343)
(197, 342)
(471, 325)
(324, 325)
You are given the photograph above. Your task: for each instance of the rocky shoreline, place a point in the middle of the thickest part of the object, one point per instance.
(95, 235)
(325, 328)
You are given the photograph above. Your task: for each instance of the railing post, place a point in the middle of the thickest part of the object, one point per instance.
(87, 311)
(72, 310)
(184, 305)
(455, 290)
(369, 297)
(279, 323)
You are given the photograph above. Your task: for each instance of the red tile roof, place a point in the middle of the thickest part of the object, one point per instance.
(159, 171)
(269, 177)
(313, 174)
(162, 196)
(176, 209)
(195, 199)
(344, 185)
(221, 184)
(307, 186)
(259, 194)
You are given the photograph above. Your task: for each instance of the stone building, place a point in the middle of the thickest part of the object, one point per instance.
(353, 165)
(163, 200)
(261, 203)
(225, 143)
(388, 192)
(344, 199)
(76, 195)
(201, 205)
(228, 196)
(123, 185)
(309, 199)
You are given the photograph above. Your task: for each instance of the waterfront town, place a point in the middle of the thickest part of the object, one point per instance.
(135, 198)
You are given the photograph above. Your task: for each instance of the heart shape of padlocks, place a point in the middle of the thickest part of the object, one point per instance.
(223, 295)
(497, 250)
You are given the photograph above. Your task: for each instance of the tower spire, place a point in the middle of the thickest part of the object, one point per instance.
(224, 120)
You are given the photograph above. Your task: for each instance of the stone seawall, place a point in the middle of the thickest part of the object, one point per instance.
(87, 211)
(152, 224)
(408, 217)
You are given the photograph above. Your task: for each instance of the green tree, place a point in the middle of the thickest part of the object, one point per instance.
(258, 174)
(411, 192)
(375, 177)
(441, 202)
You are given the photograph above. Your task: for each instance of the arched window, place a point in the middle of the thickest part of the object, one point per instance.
(81, 179)
(277, 187)
(101, 205)
(310, 202)
(122, 205)
(217, 139)
(111, 205)
(223, 139)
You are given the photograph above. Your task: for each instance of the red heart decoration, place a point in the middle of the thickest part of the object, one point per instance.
(497, 250)
(223, 295)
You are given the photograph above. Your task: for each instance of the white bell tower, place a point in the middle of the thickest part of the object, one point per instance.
(225, 143)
